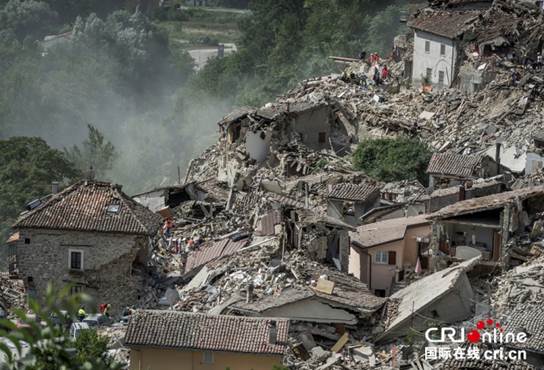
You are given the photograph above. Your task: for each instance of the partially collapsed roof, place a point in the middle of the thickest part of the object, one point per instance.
(354, 192)
(92, 206)
(424, 292)
(212, 251)
(452, 164)
(348, 292)
(450, 24)
(490, 202)
(371, 235)
(193, 331)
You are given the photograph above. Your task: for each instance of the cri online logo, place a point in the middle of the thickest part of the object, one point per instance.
(488, 331)
(475, 335)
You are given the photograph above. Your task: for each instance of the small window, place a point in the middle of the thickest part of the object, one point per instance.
(429, 74)
(322, 137)
(442, 50)
(76, 260)
(113, 208)
(427, 46)
(392, 258)
(381, 257)
(207, 357)
(441, 78)
(379, 292)
(27, 240)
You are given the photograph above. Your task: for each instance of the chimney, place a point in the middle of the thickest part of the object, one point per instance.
(462, 193)
(54, 187)
(272, 332)
(498, 156)
(249, 293)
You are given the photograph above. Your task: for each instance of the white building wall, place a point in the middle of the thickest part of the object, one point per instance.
(433, 58)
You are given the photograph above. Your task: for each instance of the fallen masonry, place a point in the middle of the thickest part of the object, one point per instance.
(275, 250)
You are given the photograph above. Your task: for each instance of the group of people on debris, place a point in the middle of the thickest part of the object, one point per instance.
(182, 244)
(379, 73)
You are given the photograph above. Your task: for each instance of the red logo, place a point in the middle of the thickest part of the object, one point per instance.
(474, 336)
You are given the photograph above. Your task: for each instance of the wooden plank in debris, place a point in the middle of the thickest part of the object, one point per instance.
(165, 212)
(325, 286)
(341, 343)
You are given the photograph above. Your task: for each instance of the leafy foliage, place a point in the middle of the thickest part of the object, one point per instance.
(28, 19)
(288, 40)
(393, 159)
(29, 166)
(49, 344)
(96, 152)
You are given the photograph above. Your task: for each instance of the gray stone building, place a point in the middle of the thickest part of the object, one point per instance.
(91, 236)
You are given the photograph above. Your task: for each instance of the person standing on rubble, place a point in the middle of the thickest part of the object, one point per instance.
(385, 73)
(376, 77)
(167, 228)
(538, 64)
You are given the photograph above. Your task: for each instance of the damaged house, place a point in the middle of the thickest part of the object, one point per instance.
(336, 299)
(382, 252)
(349, 202)
(445, 296)
(484, 226)
(90, 235)
(450, 169)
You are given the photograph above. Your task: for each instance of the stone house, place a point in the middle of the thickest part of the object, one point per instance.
(171, 340)
(382, 252)
(451, 169)
(92, 236)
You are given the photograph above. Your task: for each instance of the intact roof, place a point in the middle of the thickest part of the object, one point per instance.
(212, 251)
(449, 24)
(452, 164)
(353, 192)
(489, 202)
(424, 292)
(387, 231)
(84, 207)
(195, 331)
(529, 321)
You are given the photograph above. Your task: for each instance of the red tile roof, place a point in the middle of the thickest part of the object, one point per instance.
(84, 207)
(195, 331)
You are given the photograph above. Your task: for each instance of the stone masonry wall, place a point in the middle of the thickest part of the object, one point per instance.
(107, 263)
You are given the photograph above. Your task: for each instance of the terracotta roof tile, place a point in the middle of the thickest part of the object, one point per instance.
(451, 164)
(183, 330)
(212, 251)
(85, 205)
(354, 192)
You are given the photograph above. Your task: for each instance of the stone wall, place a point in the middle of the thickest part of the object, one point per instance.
(107, 276)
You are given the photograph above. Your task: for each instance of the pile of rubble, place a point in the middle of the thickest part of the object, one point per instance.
(12, 294)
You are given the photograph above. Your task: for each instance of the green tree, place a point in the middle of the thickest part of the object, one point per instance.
(393, 159)
(28, 167)
(96, 152)
(49, 345)
(28, 19)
